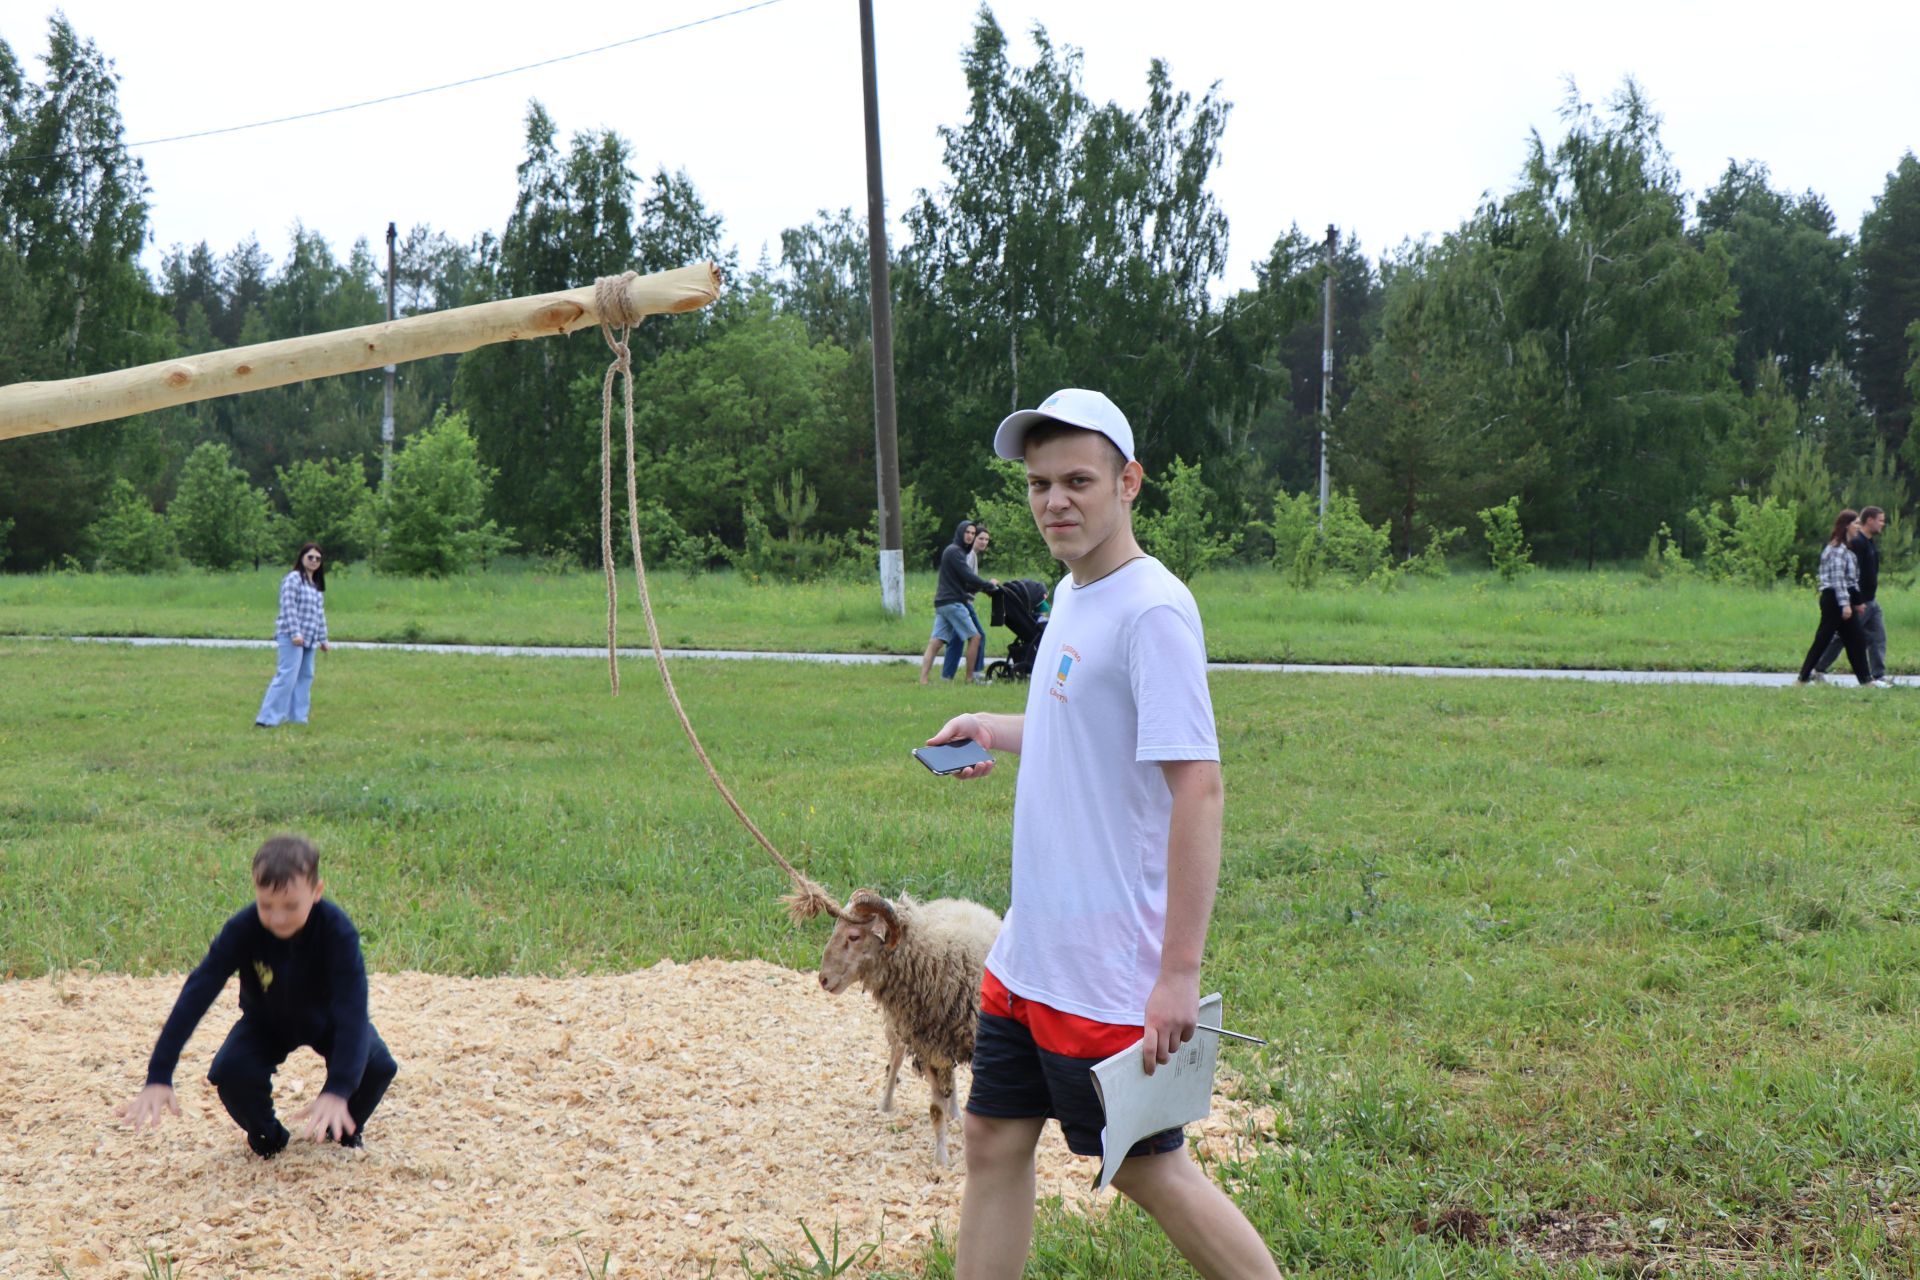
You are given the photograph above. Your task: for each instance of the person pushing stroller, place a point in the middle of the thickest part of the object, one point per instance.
(953, 621)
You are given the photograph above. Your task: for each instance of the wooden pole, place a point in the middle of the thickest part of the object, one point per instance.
(886, 431)
(29, 408)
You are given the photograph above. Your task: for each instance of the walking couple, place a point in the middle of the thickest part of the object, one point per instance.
(1850, 617)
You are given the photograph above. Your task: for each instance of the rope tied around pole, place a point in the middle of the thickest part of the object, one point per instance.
(611, 302)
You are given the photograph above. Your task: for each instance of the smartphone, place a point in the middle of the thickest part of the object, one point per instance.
(952, 757)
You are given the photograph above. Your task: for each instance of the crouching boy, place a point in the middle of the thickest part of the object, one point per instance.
(302, 982)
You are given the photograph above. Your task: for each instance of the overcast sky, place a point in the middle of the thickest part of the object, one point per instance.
(1388, 119)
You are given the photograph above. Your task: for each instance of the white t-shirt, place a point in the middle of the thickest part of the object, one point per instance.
(1120, 684)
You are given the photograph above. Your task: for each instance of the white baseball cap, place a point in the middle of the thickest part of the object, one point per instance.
(1076, 408)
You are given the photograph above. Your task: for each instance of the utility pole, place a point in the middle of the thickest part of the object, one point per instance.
(386, 415)
(1326, 370)
(886, 434)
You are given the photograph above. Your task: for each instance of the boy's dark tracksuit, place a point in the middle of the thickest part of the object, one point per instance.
(310, 989)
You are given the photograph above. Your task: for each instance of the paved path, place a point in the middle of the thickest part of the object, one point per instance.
(870, 659)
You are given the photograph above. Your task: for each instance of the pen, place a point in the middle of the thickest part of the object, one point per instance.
(1222, 1031)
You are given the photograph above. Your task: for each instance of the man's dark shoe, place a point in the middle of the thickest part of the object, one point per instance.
(269, 1145)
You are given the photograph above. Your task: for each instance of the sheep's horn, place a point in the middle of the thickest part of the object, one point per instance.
(871, 904)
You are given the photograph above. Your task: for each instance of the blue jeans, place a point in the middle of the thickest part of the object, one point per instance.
(290, 694)
(950, 661)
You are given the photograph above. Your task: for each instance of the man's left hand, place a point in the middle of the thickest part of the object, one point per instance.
(326, 1117)
(1173, 1011)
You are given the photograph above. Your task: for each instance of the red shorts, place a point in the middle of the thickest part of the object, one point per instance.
(1031, 1061)
(1067, 1034)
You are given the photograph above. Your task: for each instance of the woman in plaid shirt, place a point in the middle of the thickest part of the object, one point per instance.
(300, 629)
(1839, 582)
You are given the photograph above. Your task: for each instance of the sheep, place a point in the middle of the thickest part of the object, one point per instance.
(922, 963)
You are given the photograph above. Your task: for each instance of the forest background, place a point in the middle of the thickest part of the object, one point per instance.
(1593, 366)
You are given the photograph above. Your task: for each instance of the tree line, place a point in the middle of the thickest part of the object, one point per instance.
(1624, 368)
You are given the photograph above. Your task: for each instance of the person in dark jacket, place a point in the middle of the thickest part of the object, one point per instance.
(302, 982)
(950, 661)
(957, 585)
(1866, 610)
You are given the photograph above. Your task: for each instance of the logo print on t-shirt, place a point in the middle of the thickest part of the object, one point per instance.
(264, 973)
(1066, 665)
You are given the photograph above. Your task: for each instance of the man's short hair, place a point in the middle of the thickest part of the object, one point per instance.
(284, 859)
(1868, 513)
(1050, 430)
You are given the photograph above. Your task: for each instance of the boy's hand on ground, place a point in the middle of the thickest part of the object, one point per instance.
(148, 1107)
(967, 725)
(325, 1117)
(1173, 1011)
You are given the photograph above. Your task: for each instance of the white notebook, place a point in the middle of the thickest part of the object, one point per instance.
(1138, 1105)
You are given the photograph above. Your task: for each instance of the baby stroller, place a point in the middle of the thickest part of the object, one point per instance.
(1018, 606)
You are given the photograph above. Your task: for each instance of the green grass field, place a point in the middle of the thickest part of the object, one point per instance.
(1541, 962)
(1607, 619)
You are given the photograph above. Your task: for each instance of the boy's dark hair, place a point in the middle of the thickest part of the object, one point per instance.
(284, 859)
(1868, 513)
(1042, 432)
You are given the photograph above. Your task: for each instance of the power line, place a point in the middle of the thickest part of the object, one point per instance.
(393, 97)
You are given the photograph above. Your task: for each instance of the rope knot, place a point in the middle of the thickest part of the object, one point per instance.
(610, 299)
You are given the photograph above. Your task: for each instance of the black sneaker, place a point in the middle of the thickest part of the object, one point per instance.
(269, 1145)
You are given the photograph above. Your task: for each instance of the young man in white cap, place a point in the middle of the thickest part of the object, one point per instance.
(1116, 855)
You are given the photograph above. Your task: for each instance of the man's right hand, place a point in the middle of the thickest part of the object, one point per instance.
(298, 643)
(148, 1106)
(1846, 611)
(967, 725)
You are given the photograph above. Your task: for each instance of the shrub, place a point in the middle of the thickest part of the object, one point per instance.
(1303, 573)
(1354, 548)
(788, 559)
(432, 516)
(219, 520)
(1759, 545)
(1296, 521)
(1432, 562)
(919, 528)
(1664, 559)
(1506, 541)
(1183, 538)
(130, 536)
(666, 545)
(329, 503)
(1347, 545)
(795, 503)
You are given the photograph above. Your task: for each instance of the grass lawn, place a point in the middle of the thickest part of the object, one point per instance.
(1544, 964)
(1563, 618)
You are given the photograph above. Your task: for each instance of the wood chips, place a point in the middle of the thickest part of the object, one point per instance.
(673, 1117)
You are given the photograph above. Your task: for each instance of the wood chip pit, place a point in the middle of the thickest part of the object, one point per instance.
(674, 1117)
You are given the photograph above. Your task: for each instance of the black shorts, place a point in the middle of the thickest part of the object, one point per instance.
(1015, 1079)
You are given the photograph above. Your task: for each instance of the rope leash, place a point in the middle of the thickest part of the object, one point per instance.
(610, 298)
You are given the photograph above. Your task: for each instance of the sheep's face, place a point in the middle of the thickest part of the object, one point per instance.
(865, 928)
(848, 950)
